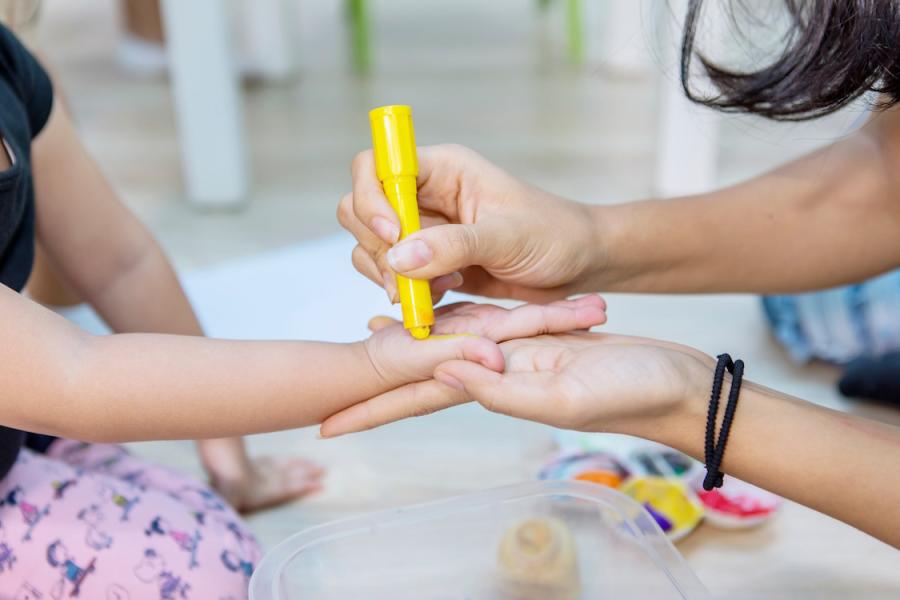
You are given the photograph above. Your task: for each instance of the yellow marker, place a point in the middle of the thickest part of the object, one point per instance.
(394, 143)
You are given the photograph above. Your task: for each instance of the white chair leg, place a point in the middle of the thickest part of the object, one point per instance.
(687, 144)
(207, 101)
(620, 42)
(266, 28)
(687, 135)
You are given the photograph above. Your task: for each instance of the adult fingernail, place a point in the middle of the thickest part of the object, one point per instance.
(447, 282)
(410, 255)
(385, 230)
(331, 434)
(449, 381)
(390, 284)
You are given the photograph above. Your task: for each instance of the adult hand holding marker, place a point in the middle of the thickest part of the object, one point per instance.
(483, 231)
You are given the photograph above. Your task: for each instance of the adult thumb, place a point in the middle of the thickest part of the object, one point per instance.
(526, 395)
(443, 249)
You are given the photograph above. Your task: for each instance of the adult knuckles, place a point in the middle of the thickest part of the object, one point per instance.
(345, 210)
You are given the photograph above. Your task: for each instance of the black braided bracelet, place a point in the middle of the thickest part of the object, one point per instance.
(715, 449)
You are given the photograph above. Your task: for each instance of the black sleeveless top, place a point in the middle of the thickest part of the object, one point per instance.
(26, 97)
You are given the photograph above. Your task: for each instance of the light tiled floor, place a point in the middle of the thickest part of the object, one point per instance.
(489, 75)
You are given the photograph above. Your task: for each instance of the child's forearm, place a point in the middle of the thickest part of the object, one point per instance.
(146, 386)
(56, 379)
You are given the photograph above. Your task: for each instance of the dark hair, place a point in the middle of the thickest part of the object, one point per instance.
(833, 52)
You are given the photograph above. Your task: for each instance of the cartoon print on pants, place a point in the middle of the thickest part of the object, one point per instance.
(117, 592)
(28, 592)
(7, 556)
(71, 574)
(183, 539)
(235, 563)
(245, 543)
(152, 569)
(199, 516)
(31, 513)
(207, 499)
(60, 487)
(136, 479)
(239, 536)
(123, 502)
(94, 537)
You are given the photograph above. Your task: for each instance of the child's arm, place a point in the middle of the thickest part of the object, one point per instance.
(113, 262)
(59, 380)
(102, 250)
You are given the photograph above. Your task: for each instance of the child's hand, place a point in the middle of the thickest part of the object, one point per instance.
(584, 381)
(469, 331)
(462, 331)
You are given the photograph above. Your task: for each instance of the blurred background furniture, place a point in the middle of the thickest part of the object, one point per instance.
(207, 100)
(206, 90)
(205, 75)
(687, 133)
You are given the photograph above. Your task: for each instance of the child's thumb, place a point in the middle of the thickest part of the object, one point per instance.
(438, 349)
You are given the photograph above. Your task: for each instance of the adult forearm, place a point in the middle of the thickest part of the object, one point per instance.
(829, 218)
(830, 461)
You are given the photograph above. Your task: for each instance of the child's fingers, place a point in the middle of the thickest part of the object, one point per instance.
(561, 316)
(399, 359)
(441, 348)
(590, 299)
(520, 394)
(379, 322)
(449, 308)
(412, 400)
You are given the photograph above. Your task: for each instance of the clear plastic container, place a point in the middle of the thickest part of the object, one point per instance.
(605, 546)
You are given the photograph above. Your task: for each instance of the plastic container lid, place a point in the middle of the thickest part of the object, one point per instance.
(544, 540)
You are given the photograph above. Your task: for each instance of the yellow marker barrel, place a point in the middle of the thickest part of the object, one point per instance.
(394, 144)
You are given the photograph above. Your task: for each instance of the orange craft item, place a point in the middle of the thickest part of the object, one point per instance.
(607, 478)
